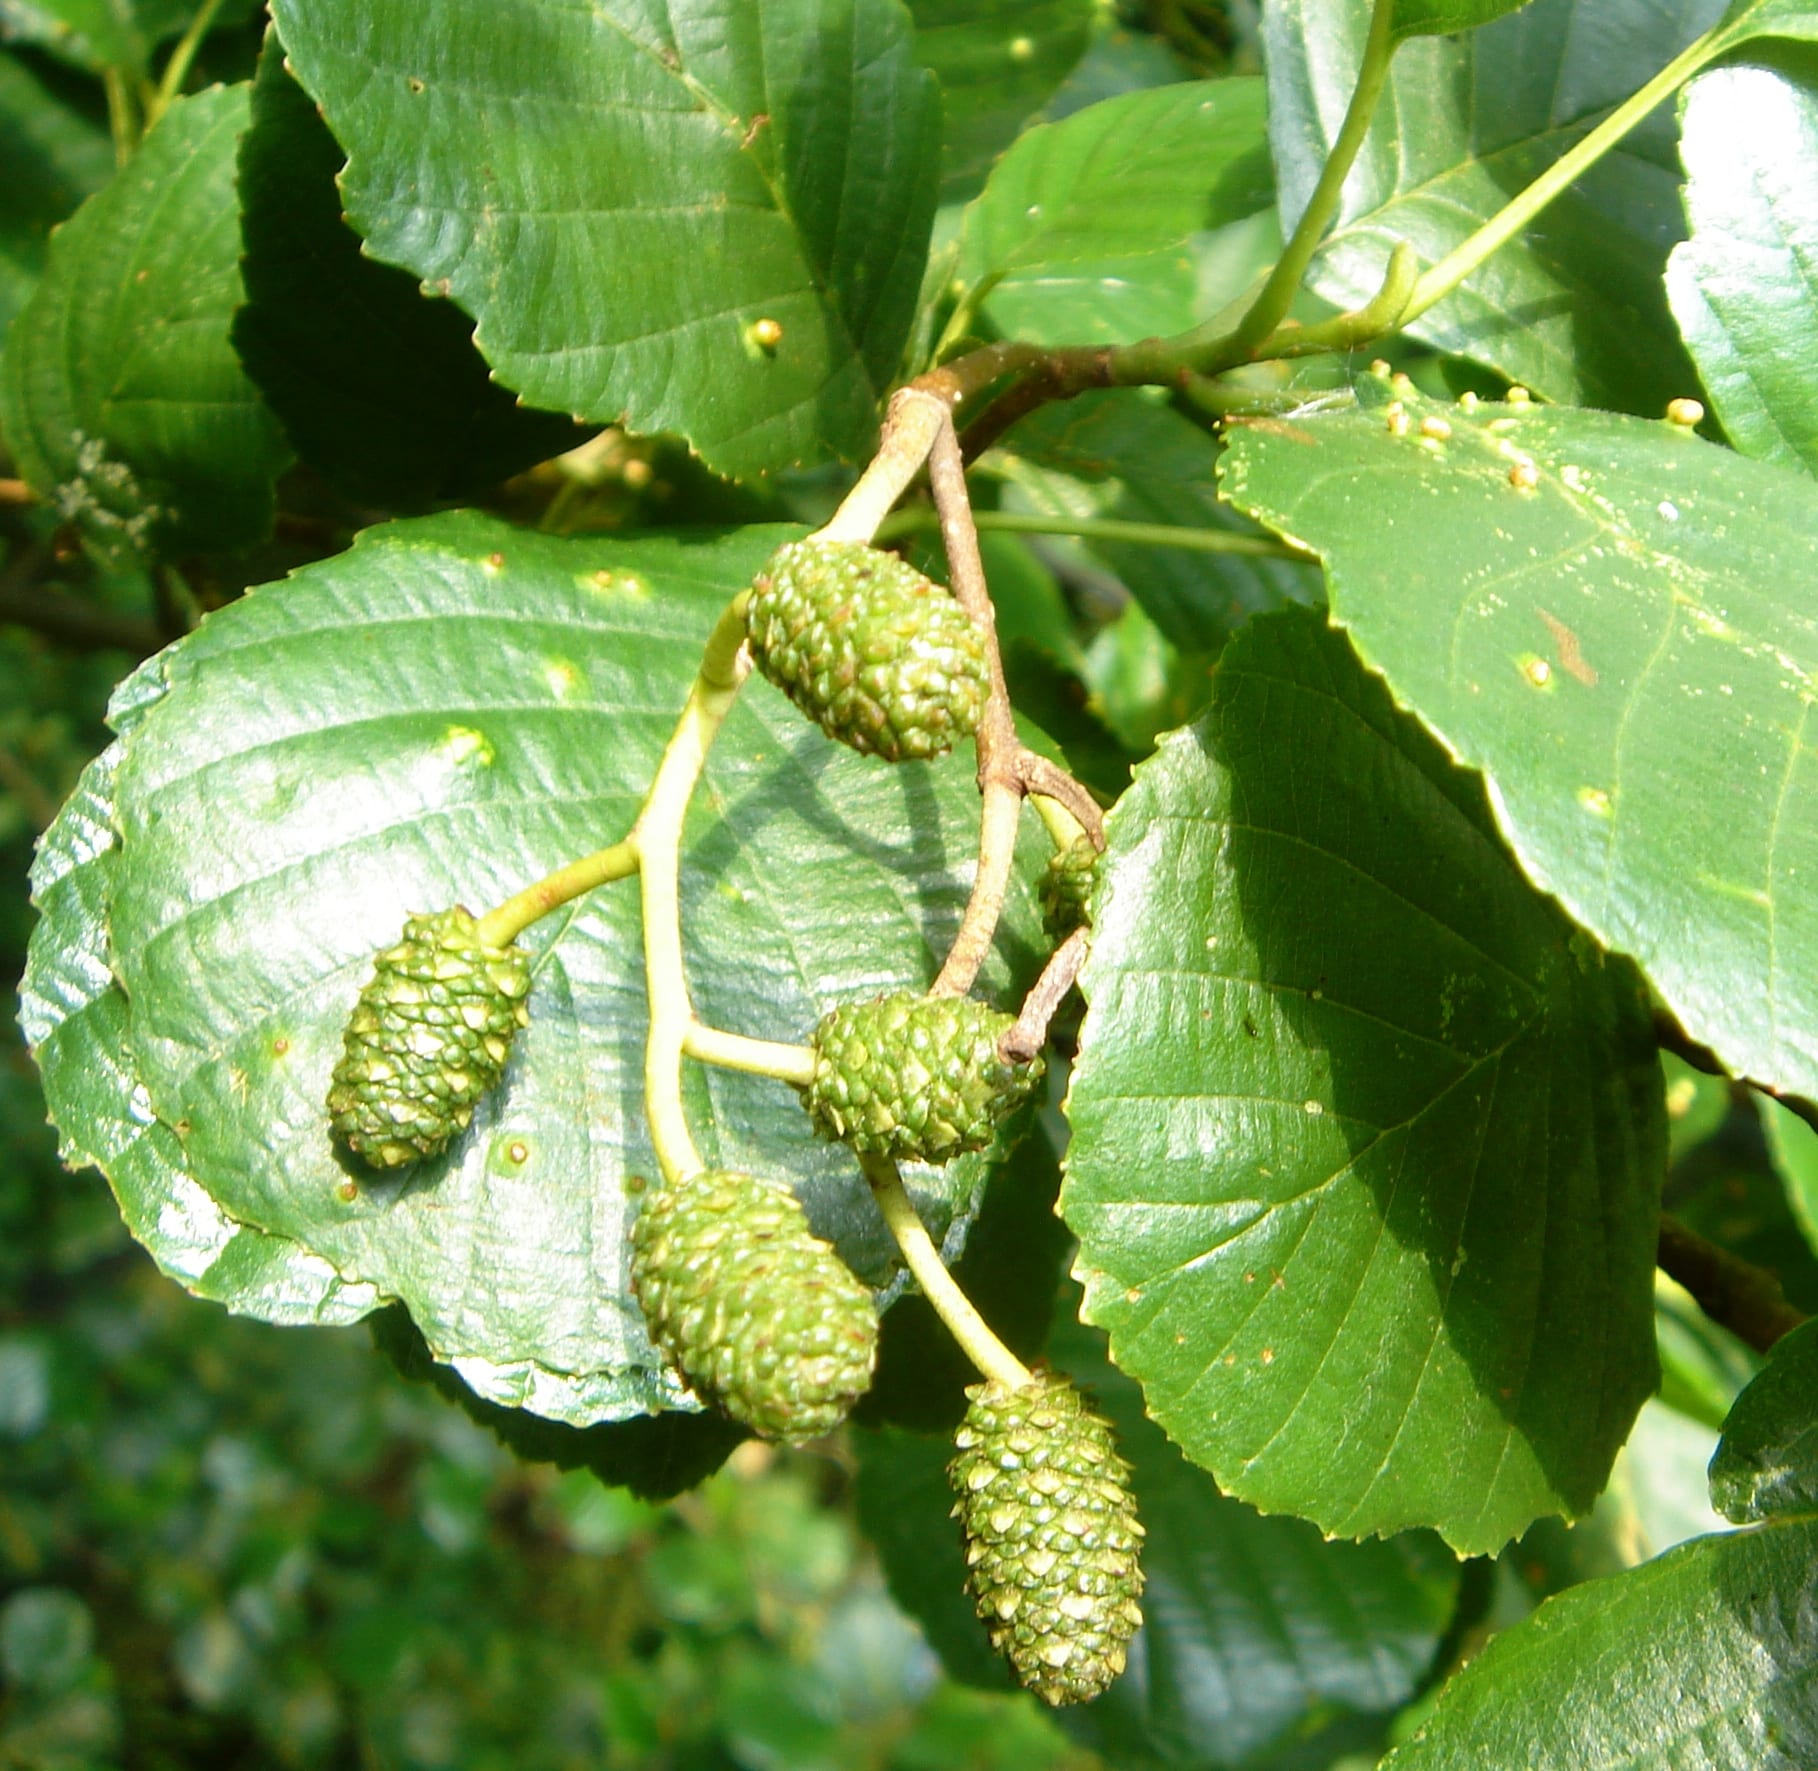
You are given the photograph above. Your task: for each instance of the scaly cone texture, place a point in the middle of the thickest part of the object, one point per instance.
(1065, 888)
(429, 1036)
(760, 1314)
(914, 1077)
(1052, 1535)
(877, 655)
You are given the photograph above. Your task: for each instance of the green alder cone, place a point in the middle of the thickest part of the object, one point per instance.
(914, 1077)
(877, 655)
(760, 1314)
(428, 1038)
(1065, 888)
(1052, 1536)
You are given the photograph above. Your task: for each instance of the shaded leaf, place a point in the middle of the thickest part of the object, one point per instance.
(1635, 619)
(998, 62)
(442, 715)
(1256, 1630)
(1767, 1461)
(1142, 462)
(120, 393)
(1795, 1150)
(96, 34)
(656, 1456)
(1367, 1138)
(1744, 287)
(617, 194)
(1573, 306)
(55, 154)
(1081, 233)
(378, 386)
(1706, 1656)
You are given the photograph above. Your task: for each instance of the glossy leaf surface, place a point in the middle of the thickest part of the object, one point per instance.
(1635, 619)
(618, 194)
(1367, 1137)
(1707, 1656)
(1744, 286)
(1573, 306)
(1767, 1461)
(441, 716)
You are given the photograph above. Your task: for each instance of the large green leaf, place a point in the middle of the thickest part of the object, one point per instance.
(378, 385)
(1767, 1460)
(998, 62)
(443, 715)
(1257, 1631)
(1119, 455)
(1707, 1657)
(55, 155)
(74, 1016)
(1081, 233)
(1367, 1138)
(1744, 287)
(1573, 306)
(618, 193)
(120, 395)
(1636, 620)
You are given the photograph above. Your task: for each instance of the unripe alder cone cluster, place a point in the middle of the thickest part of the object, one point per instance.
(759, 1315)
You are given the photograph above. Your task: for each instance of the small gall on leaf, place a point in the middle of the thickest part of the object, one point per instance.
(1524, 476)
(1435, 427)
(1518, 396)
(765, 335)
(1688, 414)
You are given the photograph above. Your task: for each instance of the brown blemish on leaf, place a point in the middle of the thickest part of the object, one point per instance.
(1571, 657)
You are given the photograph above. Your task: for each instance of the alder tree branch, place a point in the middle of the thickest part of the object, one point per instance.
(1029, 1032)
(1738, 1295)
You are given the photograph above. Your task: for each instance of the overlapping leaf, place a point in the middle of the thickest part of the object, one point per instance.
(1081, 232)
(1427, 18)
(55, 155)
(1367, 1138)
(1744, 286)
(1256, 1631)
(1572, 307)
(1707, 1656)
(95, 34)
(998, 62)
(1120, 456)
(618, 194)
(1637, 618)
(442, 716)
(1767, 1462)
(120, 395)
(379, 386)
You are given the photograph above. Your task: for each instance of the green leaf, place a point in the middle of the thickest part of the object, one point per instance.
(1794, 1145)
(1744, 287)
(1367, 1138)
(74, 1016)
(998, 62)
(1796, 19)
(120, 394)
(379, 387)
(1767, 1461)
(95, 34)
(55, 155)
(1122, 456)
(618, 193)
(1257, 1630)
(1438, 18)
(1707, 1656)
(1637, 616)
(1081, 233)
(1573, 306)
(443, 715)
